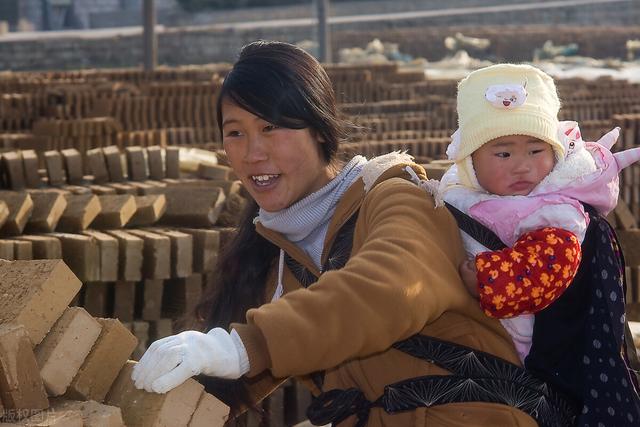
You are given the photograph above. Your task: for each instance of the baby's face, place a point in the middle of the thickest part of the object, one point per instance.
(512, 165)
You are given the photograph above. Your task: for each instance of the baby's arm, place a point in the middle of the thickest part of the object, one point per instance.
(529, 276)
(469, 273)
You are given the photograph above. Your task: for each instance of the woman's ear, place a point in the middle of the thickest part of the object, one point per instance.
(318, 137)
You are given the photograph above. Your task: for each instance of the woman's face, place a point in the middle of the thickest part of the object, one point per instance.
(278, 166)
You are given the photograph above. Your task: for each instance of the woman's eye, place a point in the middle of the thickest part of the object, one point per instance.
(232, 134)
(270, 127)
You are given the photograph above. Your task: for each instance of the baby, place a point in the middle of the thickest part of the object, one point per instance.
(537, 185)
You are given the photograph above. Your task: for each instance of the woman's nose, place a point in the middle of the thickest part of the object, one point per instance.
(256, 150)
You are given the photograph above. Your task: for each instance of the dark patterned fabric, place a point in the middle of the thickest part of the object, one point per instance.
(475, 229)
(476, 377)
(339, 254)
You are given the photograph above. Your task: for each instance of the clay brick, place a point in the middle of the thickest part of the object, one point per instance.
(154, 159)
(136, 163)
(94, 414)
(199, 207)
(12, 164)
(220, 172)
(229, 187)
(151, 187)
(116, 211)
(82, 255)
(73, 165)
(157, 255)
(140, 408)
(108, 248)
(130, 255)
(124, 300)
(81, 210)
(101, 190)
(35, 294)
(63, 418)
(43, 247)
(114, 163)
(97, 296)
(172, 162)
(22, 250)
(98, 165)
(181, 296)
(160, 328)
(122, 188)
(55, 171)
(63, 351)
(4, 213)
(153, 290)
(209, 412)
(6, 250)
(21, 387)
(149, 209)
(630, 243)
(20, 207)
(624, 217)
(48, 207)
(143, 188)
(76, 189)
(141, 332)
(206, 244)
(181, 251)
(101, 367)
(30, 163)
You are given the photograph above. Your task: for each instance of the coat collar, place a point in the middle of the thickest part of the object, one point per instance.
(376, 170)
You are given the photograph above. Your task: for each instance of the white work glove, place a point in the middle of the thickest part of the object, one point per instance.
(172, 360)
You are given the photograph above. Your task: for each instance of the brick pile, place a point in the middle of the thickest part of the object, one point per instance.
(90, 174)
(60, 366)
(142, 239)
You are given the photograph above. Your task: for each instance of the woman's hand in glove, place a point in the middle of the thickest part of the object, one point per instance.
(172, 360)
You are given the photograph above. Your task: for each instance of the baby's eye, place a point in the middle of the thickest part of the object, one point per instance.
(537, 151)
(503, 154)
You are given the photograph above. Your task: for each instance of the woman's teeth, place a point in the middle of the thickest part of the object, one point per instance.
(263, 179)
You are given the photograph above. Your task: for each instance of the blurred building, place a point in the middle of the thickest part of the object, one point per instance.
(43, 15)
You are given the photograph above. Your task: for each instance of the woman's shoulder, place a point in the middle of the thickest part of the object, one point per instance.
(384, 168)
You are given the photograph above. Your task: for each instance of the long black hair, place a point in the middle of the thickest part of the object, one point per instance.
(288, 87)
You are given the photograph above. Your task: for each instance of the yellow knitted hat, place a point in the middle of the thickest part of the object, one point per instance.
(506, 99)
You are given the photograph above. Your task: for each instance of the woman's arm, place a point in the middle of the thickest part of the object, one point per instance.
(403, 273)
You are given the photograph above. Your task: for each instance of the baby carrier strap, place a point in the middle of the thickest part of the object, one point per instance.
(475, 229)
(476, 377)
(339, 254)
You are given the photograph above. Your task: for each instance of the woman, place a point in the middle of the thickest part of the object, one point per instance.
(332, 266)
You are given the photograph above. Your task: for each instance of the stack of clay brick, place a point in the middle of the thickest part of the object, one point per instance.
(81, 134)
(626, 225)
(143, 241)
(61, 367)
(630, 179)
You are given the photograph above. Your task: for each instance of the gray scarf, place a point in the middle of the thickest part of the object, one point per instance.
(305, 223)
